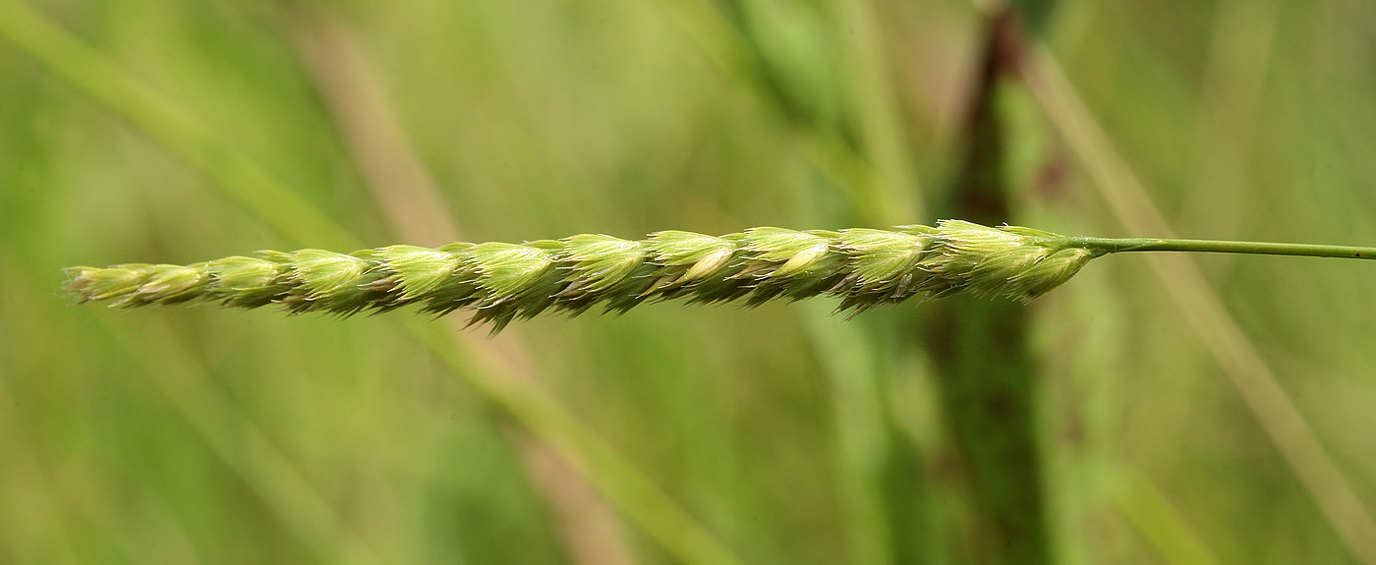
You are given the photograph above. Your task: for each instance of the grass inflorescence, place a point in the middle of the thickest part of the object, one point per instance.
(501, 282)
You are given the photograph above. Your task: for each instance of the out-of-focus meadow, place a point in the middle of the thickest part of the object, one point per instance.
(1151, 426)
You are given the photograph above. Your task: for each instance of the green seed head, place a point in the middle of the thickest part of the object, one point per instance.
(1016, 262)
(91, 283)
(501, 282)
(418, 270)
(247, 282)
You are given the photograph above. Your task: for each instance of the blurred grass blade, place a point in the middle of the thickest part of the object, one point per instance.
(990, 400)
(263, 467)
(1227, 117)
(1202, 307)
(402, 188)
(620, 481)
(251, 185)
(296, 218)
(1148, 509)
(863, 434)
(46, 531)
(880, 120)
(404, 191)
(877, 178)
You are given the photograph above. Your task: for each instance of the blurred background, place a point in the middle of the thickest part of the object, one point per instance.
(1152, 410)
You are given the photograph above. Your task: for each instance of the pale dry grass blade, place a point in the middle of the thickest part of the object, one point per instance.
(591, 532)
(401, 186)
(1226, 119)
(1202, 307)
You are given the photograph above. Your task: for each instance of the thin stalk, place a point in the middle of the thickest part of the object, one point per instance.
(1119, 245)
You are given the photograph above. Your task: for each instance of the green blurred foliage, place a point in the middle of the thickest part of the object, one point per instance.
(199, 435)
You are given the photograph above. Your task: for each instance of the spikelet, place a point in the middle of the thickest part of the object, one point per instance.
(501, 282)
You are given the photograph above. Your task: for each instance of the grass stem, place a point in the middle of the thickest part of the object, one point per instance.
(1114, 245)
